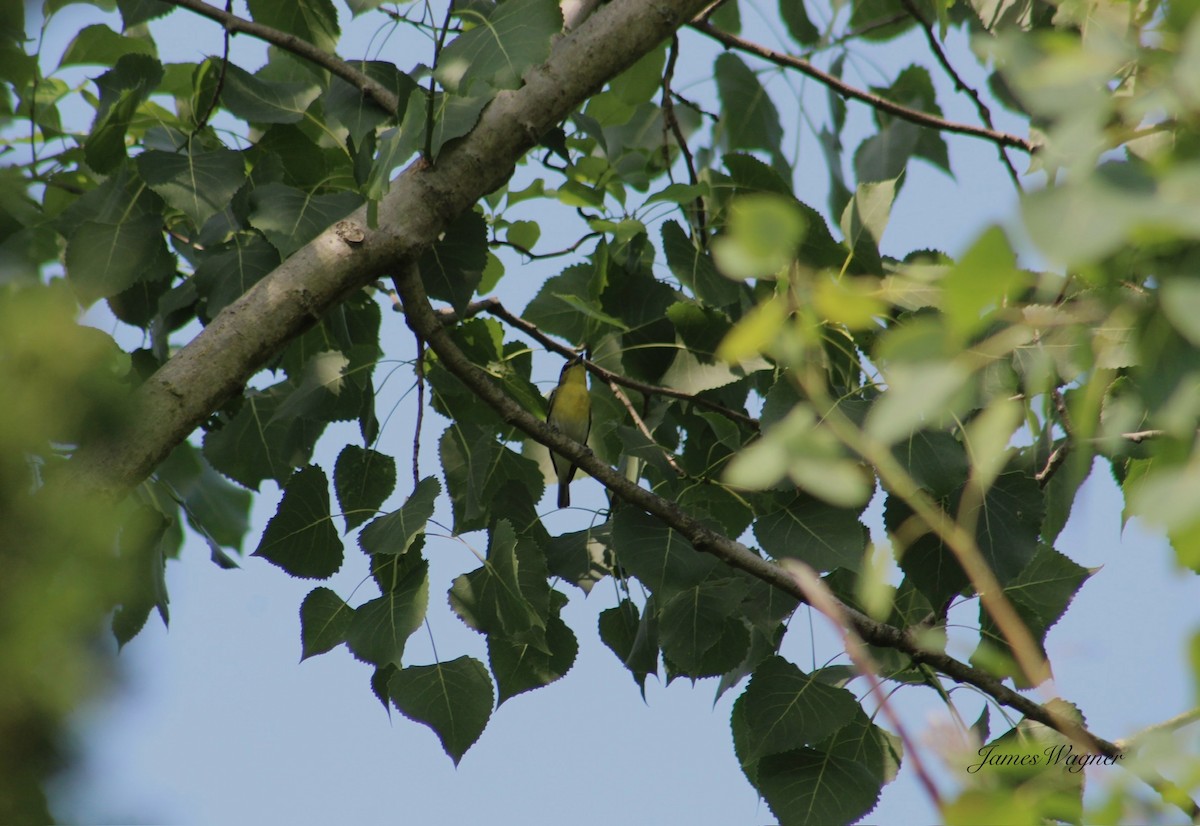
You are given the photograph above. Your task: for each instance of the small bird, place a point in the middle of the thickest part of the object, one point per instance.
(570, 412)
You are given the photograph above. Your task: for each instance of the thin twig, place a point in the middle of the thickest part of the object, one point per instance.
(641, 425)
(913, 115)
(1142, 435)
(493, 306)
(438, 44)
(985, 114)
(672, 123)
(416, 454)
(528, 253)
(422, 318)
(216, 95)
(1058, 456)
(821, 598)
(299, 47)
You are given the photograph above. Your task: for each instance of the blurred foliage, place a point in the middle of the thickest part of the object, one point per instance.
(782, 372)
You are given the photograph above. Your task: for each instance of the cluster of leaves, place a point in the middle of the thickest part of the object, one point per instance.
(973, 390)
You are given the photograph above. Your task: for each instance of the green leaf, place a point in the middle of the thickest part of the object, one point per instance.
(1040, 594)
(396, 532)
(934, 459)
(291, 218)
(749, 119)
(199, 184)
(254, 445)
(300, 538)
(215, 509)
(640, 82)
(658, 555)
(581, 557)
(105, 259)
(508, 596)
(122, 92)
(452, 267)
(762, 234)
(863, 223)
(380, 627)
(700, 628)
(453, 698)
(634, 640)
(498, 50)
(324, 620)
(557, 317)
(984, 280)
(783, 709)
(798, 25)
(311, 20)
(99, 45)
(485, 479)
(259, 100)
(357, 112)
(135, 12)
(521, 667)
(362, 479)
(226, 271)
(838, 781)
(822, 535)
(1007, 526)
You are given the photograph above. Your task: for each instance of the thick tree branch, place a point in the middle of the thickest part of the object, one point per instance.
(297, 46)
(422, 201)
(846, 90)
(427, 323)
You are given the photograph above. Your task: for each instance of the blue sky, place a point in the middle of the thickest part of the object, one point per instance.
(216, 720)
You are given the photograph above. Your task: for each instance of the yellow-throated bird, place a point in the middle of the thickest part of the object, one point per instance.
(571, 412)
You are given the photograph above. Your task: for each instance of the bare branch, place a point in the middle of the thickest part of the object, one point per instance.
(846, 90)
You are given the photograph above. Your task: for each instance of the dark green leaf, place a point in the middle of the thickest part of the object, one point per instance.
(216, 509)
(508, 596)
(324, 619)
(824, 536)
(553, 314)
(498, 50)
(839, 781)
(199, 184)
(291, 218)
(396, 532)
(134, 12)
(695, 269)
(701, 631)
(1040, 594)
(105, 259)
(100, 45)
(658, 555)
(783, 709)
(358, 113)
(227, 271)
(749, 119)
(300, 538)
(797, 22)
(581, 557)
(311, 20)
(380, 628)
(122, 91)
(362, 479)
(520, 667)
(452, 267)
(485, 479)
(634, 640)
(453, 698)
(935, 460)
(258, 100)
